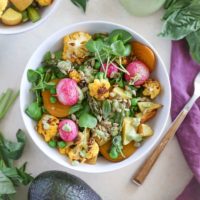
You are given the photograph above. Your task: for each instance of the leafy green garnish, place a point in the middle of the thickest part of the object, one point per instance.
(95, 45)
(87, 120)
(111, 49)
(80, 3)
(119, 35)
(11, 176)
(182, 19)
(194, 44)
(34, 111)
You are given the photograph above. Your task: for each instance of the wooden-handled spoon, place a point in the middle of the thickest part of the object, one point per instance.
(141, 174)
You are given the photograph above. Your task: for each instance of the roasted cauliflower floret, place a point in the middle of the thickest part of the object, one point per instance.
(152, 88)
(74, 49)
(93, 149)
(84, 149)
(75, 75)
(44, 2)
(48, 127)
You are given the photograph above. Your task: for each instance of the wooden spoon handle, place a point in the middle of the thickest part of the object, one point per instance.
(140, 176)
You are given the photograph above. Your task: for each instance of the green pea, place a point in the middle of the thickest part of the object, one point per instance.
(52, 144)
(113, 152)
(97, 65)
(134, 102)
(100, 75)
(53, 90)
(53, 99)
(62, 144)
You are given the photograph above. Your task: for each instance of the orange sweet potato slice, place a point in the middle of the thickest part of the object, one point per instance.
(144, 54)
(56, 109)
(128, 150)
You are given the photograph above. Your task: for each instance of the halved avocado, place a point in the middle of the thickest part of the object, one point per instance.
(58, 185)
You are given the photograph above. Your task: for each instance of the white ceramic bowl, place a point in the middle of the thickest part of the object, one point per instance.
(45, 13)
(53, 43)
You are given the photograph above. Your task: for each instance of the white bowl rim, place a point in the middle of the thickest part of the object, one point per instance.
(151, 145)
(31, 26)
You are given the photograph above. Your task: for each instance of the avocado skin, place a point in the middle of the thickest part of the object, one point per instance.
(57, 185)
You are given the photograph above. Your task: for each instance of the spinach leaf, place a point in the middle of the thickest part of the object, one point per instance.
(106, 108)
(87, 120)
(6, 185)
(193, 40)
(34, 111)
(80, 3)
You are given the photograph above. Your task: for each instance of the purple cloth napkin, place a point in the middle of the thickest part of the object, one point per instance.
(183, 72)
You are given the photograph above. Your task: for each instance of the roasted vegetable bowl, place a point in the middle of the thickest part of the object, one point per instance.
(94, 96)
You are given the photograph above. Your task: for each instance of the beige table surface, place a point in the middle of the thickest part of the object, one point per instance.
(170, 174)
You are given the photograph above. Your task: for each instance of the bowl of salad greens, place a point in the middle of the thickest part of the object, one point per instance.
(95, 96)
(17, 16)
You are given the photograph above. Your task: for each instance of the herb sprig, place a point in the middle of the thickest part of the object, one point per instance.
(111, 49)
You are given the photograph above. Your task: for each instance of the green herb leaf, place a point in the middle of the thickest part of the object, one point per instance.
(12, 150)
(33, 76)
(87, 120)
(106, 108)
(181, 19)
(80, 3)
(193, 40)
(17, 176)
(34, 111)
(119, 34)
(75, 108)
(94, 46)
(118, 48)
(6, 185)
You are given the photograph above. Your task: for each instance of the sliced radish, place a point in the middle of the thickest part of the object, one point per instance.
(112, 70)
(67, 92)
(138, 73)
(68, 130)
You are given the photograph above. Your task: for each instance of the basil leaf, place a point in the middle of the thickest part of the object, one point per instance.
(181, 19)
(106, 108)
(87, 120)
(193, 40)
(12, 150)
(34, 111)
(33, 76)
(168, 3)
(174, 6)
(25, 178)
(6, 186)
(80, 3)
(94, 46)
(119, 34)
